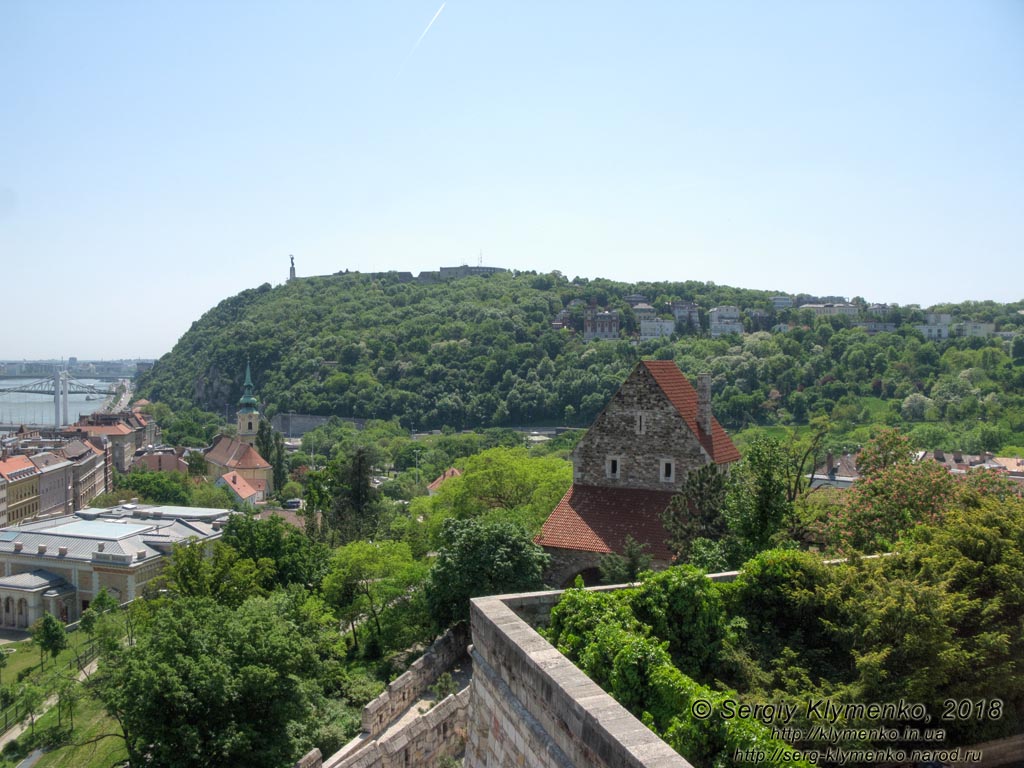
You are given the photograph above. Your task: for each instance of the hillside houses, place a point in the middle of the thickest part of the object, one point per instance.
(650, 322)
(842, 472)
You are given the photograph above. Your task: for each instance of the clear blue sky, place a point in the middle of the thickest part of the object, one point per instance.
(157, 157)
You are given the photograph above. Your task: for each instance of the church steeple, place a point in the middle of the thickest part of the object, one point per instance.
(248, 411)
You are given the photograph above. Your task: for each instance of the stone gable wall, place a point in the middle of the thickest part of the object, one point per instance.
(614, 433)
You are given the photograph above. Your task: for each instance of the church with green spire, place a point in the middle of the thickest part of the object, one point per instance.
(248, 411)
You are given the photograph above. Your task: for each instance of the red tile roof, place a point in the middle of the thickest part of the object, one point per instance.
(13, 468)
(109, 430)
(234, 454)
(597, 519)
(683, 396)
(448, 473)
(238, 486)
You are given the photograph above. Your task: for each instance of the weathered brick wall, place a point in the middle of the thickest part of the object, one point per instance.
(413, 683)
(531, 707)
(614, 433)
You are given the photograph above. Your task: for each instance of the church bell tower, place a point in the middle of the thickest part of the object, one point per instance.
(248, 412)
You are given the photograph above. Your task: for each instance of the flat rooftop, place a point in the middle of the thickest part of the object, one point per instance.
(96, 529)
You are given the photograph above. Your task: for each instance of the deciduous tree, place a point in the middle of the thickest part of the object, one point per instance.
(481, 558)
(206, 684)
(49, 634)
(366, 577)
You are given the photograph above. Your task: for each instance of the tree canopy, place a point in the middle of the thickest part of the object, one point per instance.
(480, 558)
(480, 352)
(211, 685)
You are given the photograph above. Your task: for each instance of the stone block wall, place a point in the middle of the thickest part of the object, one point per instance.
(411, 684)
(439, 733)
(532, 707)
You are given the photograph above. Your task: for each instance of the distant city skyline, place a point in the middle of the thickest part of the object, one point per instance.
(158, 158)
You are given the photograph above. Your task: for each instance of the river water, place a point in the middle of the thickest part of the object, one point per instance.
(20, 408)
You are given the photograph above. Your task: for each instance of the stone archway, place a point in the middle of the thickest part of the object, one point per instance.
(23, 613)
(8, 611)
(591, 578)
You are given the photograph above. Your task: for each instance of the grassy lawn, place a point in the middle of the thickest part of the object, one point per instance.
(26, 656)
(876, 407)
(743, 437)
(90, 721)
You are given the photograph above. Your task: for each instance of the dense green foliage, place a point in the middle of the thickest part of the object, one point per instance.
(480, 352)
(897, 493)
(480, 558)
(366, 579)
(498, 484)
(296, 559)
(235, 654)
(608, 636)
(165, 488)
(722, 517)
(210, 685)
(938, 621)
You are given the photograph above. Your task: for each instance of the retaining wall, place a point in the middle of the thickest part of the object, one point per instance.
(439, 733)
(411, 684)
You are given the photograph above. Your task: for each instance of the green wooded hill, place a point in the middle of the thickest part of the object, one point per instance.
(480, 352)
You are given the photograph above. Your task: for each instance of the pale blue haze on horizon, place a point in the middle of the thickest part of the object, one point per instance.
(158, 157)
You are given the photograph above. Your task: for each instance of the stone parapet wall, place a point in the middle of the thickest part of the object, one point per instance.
(531, 706)
(439, 733)
(411, 684)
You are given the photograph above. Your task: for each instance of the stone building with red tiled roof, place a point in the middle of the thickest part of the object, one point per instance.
(240, 488)
(633, 459)
(228, 454)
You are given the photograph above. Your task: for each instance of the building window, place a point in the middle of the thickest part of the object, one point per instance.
(668, 474)
(641, 423)
(613, 467)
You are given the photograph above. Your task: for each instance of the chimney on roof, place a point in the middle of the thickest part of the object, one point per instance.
(704, 402)
(42, 549)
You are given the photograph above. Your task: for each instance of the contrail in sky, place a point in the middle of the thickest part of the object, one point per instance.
(426, 30)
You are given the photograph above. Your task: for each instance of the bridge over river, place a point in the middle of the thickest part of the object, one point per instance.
(60, 386)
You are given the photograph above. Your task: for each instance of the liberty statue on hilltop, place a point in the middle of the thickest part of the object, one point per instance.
(291, 272)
